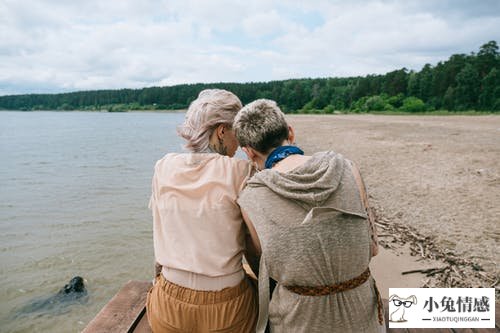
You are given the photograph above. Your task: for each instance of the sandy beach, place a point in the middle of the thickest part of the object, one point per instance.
(434, 184)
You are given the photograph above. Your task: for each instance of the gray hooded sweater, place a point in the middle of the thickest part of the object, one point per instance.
(313, 231)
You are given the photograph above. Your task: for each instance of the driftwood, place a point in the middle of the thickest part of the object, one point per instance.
(422, 252)
(428, 271)
(459, 271)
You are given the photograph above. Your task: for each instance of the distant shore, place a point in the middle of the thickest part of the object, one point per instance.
(111, 111)
(335, 113)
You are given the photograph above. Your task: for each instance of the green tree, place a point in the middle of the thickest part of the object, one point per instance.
(487, 58)
(449, 99)
(377, 103)
(467, 90)
(396, 101)
(490, 93)
(425, 86)
(413, 104)
(395, 82)
(413, 84)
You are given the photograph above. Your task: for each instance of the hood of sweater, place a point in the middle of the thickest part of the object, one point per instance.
(310, 184)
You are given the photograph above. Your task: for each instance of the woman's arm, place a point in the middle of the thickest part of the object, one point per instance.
(158, 268)
(369, 211)
(252, 248)
(156, 215)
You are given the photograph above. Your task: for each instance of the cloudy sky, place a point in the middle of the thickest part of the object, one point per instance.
(59, 46)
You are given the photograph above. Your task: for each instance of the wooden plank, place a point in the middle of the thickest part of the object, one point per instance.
(126, 312)
(124, 309)
(142, 325)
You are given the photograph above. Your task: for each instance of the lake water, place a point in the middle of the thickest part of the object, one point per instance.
(74, 190)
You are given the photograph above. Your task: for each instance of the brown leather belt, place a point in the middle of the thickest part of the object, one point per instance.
(340, 287)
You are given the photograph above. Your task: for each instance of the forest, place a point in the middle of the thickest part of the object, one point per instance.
(464, 82)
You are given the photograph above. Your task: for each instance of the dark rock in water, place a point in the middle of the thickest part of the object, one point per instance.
(75, 285)
(71, 293)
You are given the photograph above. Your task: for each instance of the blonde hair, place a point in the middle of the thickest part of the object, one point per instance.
(212, 108)
(261, 125)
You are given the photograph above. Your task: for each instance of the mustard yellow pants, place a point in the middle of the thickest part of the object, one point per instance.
(174, 309)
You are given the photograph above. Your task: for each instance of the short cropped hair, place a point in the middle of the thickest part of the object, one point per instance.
(261, 125)
(212, 108)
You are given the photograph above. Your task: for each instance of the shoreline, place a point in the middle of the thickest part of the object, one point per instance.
(402, 263)
(102, 111)
(437, 113)
(387, 268)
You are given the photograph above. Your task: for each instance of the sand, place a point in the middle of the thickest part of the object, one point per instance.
(387, 267)
(434, 182)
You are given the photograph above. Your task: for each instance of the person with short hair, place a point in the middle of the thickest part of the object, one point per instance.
(198, 230)
(309, 218)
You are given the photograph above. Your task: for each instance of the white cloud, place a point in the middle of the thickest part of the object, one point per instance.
(59, 46)
(377, 37)
(265, 24)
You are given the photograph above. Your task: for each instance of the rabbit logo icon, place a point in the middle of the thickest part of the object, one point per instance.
(401, 304)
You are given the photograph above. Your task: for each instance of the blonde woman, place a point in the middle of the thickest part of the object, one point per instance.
(198, 229)
(309, 218)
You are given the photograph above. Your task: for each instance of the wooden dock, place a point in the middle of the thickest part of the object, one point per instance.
(126, 313)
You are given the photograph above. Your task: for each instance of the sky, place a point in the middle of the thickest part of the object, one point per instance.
(53, 46)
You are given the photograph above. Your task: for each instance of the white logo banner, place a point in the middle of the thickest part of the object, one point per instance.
(442, 307)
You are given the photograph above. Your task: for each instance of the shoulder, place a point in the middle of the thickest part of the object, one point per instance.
(234, 161)
(234, 164)
(330, 154)
(253, 192)
(334, 159)
(245, 198)
(167, 159)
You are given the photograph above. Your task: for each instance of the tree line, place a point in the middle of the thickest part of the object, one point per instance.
(463, 82)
